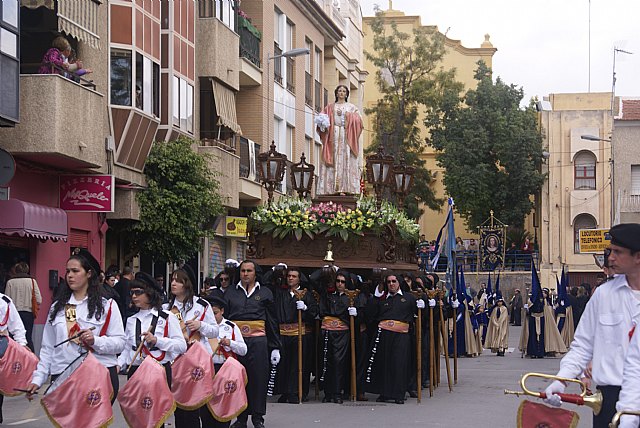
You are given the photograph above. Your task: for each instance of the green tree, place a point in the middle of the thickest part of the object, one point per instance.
(491, 150)
(180, 203)
(410, 78)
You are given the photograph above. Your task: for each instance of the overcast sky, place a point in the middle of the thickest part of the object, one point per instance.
(543, 46)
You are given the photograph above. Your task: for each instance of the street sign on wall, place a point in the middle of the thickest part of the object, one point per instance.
(594, 240)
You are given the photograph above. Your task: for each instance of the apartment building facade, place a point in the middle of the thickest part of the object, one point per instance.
(626, 160)
(161, 69)
(577, 192)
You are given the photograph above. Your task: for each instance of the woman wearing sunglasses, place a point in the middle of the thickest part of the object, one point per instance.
(158, 330)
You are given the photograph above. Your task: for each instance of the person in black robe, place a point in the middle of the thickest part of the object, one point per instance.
(516, 308)
(335, 340)
(252, 308)
(394, 310)
(287, 307)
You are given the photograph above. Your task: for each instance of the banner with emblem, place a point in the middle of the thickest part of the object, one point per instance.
(492, 246)
(82, 398)
(192, 377)
(231, 400)
(146, 400)
(16, 368)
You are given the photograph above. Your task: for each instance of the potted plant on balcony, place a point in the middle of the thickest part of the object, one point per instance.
(244, 21)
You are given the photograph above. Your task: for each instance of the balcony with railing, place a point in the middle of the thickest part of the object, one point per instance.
(277, 64)
(250, 188)
(250, 38)
(308, 89)
(291, 87)
(224, 163)
(518, 261)
(317, 95)
(630, 203)
(55, 114)
(218, 45)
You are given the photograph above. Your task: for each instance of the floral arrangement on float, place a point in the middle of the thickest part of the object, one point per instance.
(293, 216)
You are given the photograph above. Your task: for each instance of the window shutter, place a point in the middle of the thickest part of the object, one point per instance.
(79, 239)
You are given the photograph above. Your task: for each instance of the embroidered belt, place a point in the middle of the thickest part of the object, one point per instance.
(334, 324)
(251, 328)
(395, 326)
(292, 329)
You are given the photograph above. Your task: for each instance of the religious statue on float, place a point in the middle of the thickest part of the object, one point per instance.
(340, 126)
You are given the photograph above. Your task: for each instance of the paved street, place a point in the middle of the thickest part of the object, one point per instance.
(477, 400)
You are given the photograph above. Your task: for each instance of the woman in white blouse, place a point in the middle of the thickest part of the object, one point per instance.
(81, 311)
(197, 323)
(158, 328)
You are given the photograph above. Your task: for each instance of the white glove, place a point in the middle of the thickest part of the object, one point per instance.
(432, 303)
(526, 306)
(420, 303)
(352, 311)
(455, 304)
(301, 306)
(552, 390)
(628, 421)
(275, 357)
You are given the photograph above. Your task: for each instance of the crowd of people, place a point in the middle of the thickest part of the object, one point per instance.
(346, 335)
(357, 336)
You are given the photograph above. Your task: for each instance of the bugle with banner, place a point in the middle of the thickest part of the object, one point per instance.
(593, 401)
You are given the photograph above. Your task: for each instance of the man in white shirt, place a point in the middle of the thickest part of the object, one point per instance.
(606, 326)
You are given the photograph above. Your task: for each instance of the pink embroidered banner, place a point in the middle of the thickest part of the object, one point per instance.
(89, 193)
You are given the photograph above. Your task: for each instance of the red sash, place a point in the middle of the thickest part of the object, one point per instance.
(146, 350)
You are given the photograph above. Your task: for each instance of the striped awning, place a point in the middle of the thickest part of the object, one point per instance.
(77, 18)
(34, 4)
(225, 101)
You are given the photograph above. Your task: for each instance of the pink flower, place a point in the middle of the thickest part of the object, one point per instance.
(321, 220)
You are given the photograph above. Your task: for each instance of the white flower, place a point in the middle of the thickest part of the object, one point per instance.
(322, 121)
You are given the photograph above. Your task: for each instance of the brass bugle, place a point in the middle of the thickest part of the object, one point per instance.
(593, 401)
(616, 418)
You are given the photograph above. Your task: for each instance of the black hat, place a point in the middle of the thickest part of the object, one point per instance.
(149, 282)
(88, 257)
(626, 235)
(217, 301)
(190, 274)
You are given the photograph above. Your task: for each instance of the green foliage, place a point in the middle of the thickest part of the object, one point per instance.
(179, 205)
(410, 77)
(517, 235)
(491, 150)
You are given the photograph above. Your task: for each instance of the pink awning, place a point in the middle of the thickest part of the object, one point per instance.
(38, 221)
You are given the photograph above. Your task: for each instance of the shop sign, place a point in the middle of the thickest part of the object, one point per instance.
(88, 193)
(235, 226)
